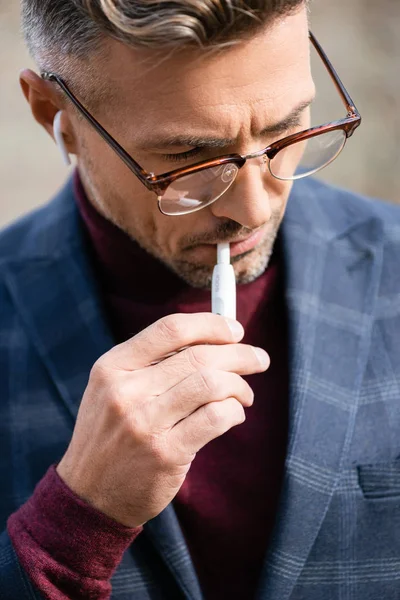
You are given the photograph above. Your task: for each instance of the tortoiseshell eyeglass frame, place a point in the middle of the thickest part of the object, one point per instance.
(159, 183)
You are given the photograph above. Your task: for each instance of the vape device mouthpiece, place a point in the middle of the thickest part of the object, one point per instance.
(223, 291)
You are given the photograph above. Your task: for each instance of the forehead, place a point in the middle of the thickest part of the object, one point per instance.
(242, 87)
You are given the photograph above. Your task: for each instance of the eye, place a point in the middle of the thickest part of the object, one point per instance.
(182, 156)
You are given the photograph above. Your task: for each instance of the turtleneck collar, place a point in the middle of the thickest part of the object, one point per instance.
(139, 289)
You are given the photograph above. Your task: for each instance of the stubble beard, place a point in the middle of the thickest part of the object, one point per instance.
(247, 266)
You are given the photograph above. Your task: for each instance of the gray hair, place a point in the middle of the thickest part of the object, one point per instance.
(58, 29)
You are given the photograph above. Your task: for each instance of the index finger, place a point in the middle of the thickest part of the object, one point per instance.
(171, 334)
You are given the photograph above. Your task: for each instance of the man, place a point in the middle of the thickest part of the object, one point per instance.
(145, 439)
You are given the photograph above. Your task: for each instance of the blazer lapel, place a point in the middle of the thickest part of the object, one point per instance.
(332, 283)
(166, 535)
(57, 300)
(56, 296)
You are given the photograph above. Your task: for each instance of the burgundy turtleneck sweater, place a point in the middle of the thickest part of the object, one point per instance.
(227, 504)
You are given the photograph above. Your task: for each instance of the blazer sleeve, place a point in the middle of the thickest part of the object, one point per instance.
(14, 582)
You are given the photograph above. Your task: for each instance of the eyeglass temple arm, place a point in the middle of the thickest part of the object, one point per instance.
(351, 107)
(127, 159)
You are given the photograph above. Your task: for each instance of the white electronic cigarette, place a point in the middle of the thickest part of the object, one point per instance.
(223, 289)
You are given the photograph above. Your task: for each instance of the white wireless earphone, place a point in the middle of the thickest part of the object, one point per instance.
(60, 139)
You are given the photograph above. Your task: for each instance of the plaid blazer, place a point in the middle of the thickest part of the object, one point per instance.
(337, 532)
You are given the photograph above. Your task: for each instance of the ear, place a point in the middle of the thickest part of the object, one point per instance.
(45, 103)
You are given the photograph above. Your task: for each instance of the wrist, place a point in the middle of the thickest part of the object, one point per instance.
(69, 530)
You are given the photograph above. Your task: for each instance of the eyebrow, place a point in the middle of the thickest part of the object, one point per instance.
(210, 142)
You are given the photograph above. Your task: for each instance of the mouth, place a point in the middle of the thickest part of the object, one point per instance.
(209, 251)
(246, 244)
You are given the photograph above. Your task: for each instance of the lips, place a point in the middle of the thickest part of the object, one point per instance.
(236, 248)
(247, 244)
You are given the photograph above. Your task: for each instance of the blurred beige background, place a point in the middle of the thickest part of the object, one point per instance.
(361, 38)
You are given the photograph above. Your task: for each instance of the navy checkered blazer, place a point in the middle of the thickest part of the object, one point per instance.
(337, 532)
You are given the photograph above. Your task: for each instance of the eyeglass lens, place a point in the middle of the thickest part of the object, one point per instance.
(192, 192)
(305, 158)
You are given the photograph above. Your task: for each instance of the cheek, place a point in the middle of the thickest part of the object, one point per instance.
(117, 187)
(287, 188)
(127, 202)
(278, 193)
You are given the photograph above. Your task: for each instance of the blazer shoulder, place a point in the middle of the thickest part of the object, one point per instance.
(337, 199)
(331, 212)
(43, 232)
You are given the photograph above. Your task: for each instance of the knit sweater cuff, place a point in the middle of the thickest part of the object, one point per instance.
(56, 531)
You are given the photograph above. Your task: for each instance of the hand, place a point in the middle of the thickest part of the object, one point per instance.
(140, 424)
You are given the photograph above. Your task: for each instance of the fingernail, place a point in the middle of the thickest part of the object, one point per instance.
(236, 328)
(262, 356)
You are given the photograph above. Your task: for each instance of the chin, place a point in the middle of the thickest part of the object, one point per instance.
(248, 267)
(251, 267)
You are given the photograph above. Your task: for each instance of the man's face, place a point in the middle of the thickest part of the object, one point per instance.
(233, 94)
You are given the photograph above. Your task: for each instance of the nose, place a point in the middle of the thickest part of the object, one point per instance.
(247, 201)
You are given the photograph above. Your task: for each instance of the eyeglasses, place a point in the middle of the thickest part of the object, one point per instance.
(189, 189)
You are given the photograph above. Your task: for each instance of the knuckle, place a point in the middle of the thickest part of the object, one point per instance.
(195, 356)
(140, 421)
(159, 452)
(138, 427)
(99, 371)
(116, 399)
(125, 404)
(170, 327)
(215, 415)
(210, 383)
